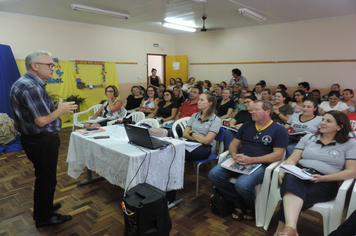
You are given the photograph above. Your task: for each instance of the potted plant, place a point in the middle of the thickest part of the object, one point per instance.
(77, 99)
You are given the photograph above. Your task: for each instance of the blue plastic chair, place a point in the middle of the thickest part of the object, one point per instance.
(219, 138)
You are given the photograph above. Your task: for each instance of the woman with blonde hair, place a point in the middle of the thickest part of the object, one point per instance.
(149, 101)
(189, 85)
(134, 100)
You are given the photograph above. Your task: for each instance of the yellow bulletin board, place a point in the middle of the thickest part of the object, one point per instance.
(176, 67)
(64, 84)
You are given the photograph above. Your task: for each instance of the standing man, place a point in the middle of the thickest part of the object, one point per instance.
(38, 122)
(237, 78)
(258, 141)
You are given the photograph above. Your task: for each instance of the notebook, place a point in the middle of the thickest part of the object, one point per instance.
(140, 136)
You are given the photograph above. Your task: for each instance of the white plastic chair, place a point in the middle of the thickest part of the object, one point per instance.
(331, 210)
(227, 119)
(352, 204)
(95, 108)
(182, 123)
(262, 190)
(150, 121)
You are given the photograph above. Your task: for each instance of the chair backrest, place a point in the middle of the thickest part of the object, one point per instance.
(123, 113)
(220, 136)
(96, 107)
(150, 121)
(137, 116)
(182, 123)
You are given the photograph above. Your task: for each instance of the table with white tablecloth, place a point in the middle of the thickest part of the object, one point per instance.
(118, 161)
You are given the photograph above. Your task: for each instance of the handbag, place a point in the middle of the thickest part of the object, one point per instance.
(219, 205)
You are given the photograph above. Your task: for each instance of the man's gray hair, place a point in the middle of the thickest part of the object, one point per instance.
(34, 57)
(266, 105)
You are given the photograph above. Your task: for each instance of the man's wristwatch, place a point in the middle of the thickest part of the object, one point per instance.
(162, 121)
(191, 133)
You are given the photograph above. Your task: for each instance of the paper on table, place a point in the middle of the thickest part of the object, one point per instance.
(97, 120)
(190, 146)
(296, 171)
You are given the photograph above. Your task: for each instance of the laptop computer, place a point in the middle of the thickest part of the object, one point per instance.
(140, 136)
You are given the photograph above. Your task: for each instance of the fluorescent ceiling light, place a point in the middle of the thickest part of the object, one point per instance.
(178, 27)
(252, 15)
(180, 22)
(78, 7)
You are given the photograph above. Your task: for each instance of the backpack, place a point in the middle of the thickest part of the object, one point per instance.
(7, 129)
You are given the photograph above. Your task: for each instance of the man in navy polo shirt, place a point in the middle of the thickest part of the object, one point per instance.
(38, 122)
(258, 141)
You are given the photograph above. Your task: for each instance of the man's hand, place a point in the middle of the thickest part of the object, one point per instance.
(243, 159)
(66, 107)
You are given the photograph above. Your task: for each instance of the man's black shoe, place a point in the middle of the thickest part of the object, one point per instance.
(55, 220)
(55, 207)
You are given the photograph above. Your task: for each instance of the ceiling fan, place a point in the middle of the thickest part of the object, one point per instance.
(204, 29)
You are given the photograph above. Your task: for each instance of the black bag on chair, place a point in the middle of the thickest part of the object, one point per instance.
(219, 205)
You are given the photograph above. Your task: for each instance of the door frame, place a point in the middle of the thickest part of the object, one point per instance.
(164, 66)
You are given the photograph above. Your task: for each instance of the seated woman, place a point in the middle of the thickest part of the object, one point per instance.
(329, 163)
(347, 96)
(240, 118)
(297, 103)
(160, 91)
(178, 94)
(267, 95)
(166, 109)
(307, 121)
(187, 87)
(334, 104)
(202, 127)
(218, 92)
(110, 108)
(281, 111)
(134, 100)
(282, 87)
(225, 106)
(207, 85)
(149, 101)
(172, 82)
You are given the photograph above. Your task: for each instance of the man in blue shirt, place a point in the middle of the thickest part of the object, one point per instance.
(258, 141)
(38, 122)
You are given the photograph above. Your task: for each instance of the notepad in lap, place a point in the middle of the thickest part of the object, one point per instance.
(296, 171)
(230, 164)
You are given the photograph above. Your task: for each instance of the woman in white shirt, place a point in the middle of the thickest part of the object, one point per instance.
(334, 104)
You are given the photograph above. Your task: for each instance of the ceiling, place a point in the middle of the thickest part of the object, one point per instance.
(147, 15)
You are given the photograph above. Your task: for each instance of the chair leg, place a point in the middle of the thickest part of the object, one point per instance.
(197, 185)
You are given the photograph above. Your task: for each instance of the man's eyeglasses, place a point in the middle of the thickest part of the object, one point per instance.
(50, 65)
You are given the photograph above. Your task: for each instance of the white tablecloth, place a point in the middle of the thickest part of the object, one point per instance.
(118, 161)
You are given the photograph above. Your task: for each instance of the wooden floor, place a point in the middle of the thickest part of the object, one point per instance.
(96, 207)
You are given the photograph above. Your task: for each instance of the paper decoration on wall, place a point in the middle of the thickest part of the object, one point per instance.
(58, 73)
(80, 84)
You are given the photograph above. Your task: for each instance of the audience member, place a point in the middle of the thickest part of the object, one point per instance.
(166, 109)
(200, 83)
(189, 85)
(305, 87)
(38, 122)
(281, 111)
(258, 141)
(218, 92)
(334, 103)
(328, 165)
(258, 91)
(347, 96)
(225, 106)
(240, 118)
(223, 84)
(237, 78)
(315, 94)
(172, 84)
(207, 85)
(133, 101)
(263, 86)
(178, 94)
(348, 228)
(111, 109)
(239, 105)
(187, 109)
(179, 79)
(160, 91)
(154, 79)
(236, 92)
(282, 87)
(306, 121)
(334, 87)
(202, 128)
(150, 100)
(267, 95)
(298, 98)
(180, 84)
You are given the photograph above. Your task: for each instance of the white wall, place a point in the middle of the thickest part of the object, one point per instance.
(75, 41)
(314, 40)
